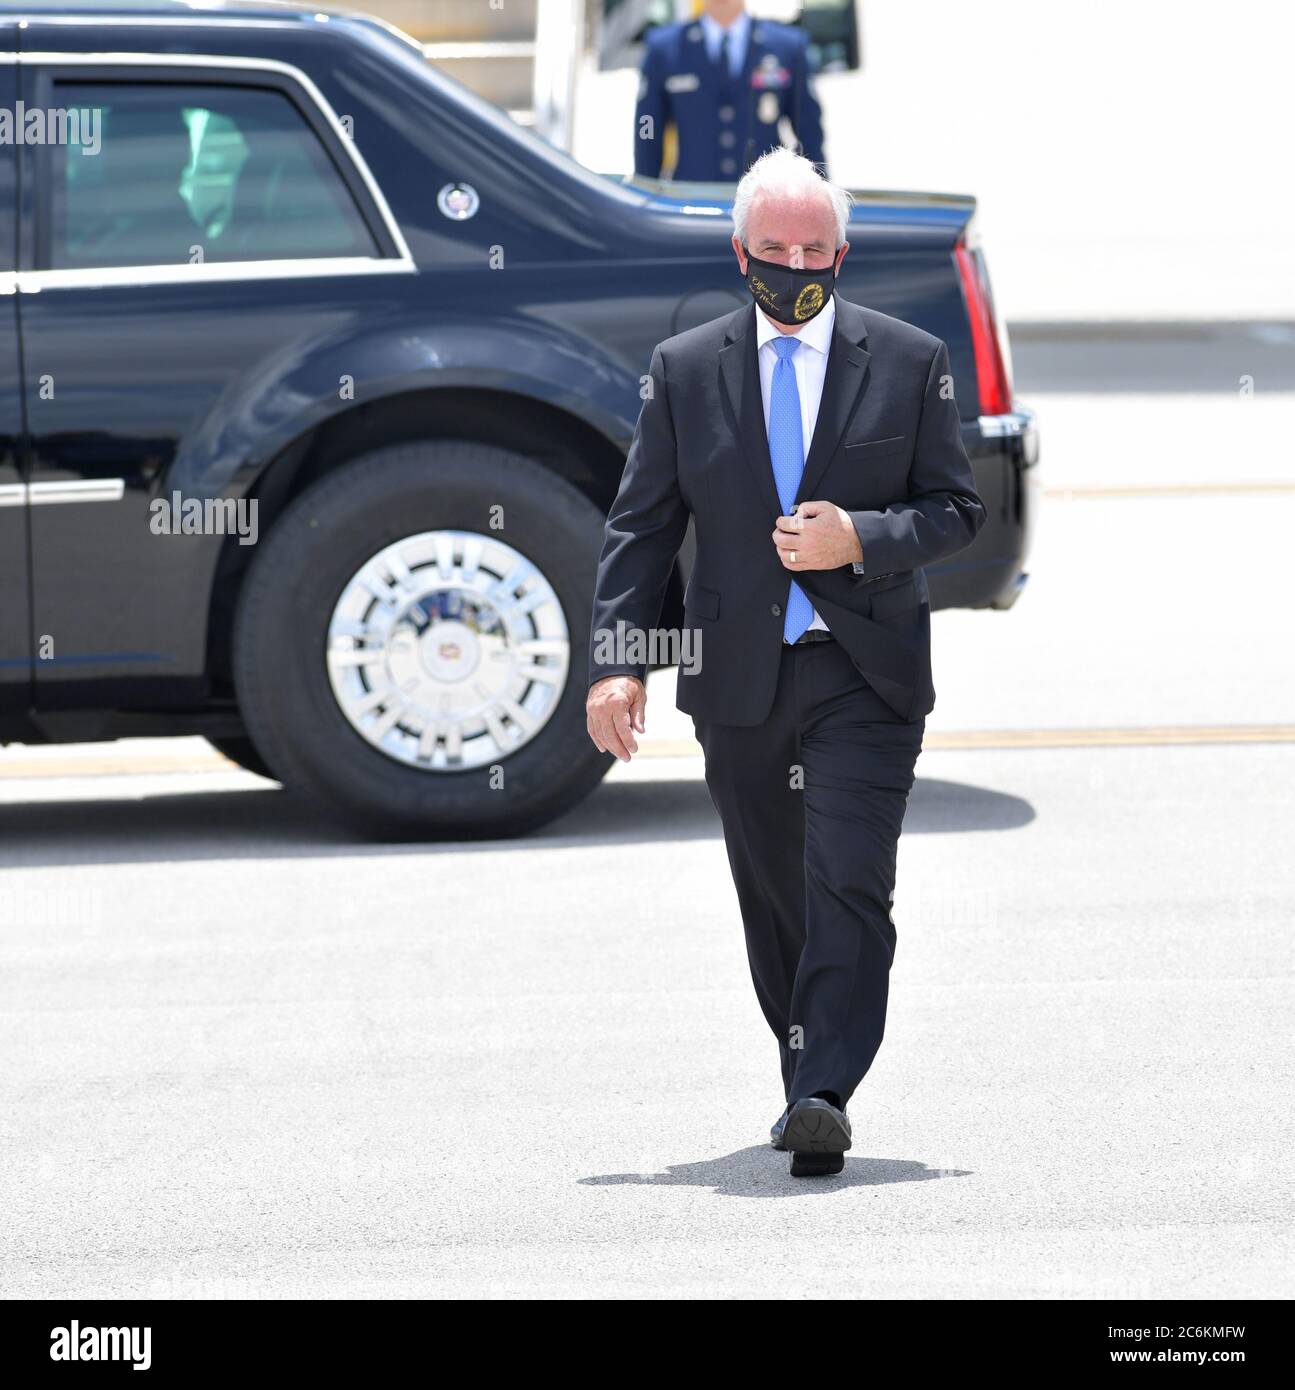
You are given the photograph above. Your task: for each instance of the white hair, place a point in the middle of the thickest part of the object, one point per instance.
(782, 173)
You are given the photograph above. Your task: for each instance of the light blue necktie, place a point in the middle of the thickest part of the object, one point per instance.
(787, 453)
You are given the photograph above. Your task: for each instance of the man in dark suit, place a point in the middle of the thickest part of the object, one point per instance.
(818, 448)
(729, 85)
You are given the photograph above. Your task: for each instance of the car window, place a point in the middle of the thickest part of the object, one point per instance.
(169, 173)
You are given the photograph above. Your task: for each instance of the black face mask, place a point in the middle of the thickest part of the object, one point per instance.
(786, 295)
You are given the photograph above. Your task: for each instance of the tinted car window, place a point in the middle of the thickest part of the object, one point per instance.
(153, 171)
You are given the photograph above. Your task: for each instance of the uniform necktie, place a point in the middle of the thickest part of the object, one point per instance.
(787, 453)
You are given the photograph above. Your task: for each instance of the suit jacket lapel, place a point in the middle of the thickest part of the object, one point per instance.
(740, 374)
(843, 387)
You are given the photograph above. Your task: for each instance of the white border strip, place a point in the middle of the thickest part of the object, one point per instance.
(208, 272)
(55, 494)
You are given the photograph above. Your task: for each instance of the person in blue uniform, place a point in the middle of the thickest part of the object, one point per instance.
(727, 83)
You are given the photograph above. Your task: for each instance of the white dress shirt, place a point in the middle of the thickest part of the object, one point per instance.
(738, 32)
(810, 363)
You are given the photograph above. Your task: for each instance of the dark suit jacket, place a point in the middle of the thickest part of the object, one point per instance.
(887, 447)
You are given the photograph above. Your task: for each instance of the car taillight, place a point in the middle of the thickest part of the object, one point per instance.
(987, 343)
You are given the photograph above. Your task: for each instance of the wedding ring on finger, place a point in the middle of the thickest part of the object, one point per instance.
(793, 557)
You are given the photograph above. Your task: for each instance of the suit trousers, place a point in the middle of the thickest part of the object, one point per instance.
(812, 803)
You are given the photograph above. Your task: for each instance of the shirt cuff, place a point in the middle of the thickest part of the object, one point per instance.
(858, 566)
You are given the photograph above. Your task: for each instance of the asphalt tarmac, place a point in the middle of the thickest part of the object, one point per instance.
(245, 1057)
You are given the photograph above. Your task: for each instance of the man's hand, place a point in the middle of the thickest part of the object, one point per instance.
(820, 536)
(614, 711)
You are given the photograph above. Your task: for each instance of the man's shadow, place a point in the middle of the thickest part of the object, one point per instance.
(760, 1171)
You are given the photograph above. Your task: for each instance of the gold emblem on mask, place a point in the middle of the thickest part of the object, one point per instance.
(808, 302)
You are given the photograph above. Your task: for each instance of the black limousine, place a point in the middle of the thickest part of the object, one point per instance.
(317, 376)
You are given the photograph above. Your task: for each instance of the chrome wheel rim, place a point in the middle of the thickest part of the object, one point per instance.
(448, 650)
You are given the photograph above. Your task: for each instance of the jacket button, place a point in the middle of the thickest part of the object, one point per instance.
(776, 610)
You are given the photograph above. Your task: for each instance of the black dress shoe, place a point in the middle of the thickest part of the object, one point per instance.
(775, 1134)
(818, 1134)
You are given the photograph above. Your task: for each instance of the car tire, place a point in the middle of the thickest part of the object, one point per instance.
(243, 752)
(285, 642)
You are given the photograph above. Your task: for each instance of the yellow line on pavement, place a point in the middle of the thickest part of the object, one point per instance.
(16, 766)
(1149, 736)
(96, 765)
(1166, 489)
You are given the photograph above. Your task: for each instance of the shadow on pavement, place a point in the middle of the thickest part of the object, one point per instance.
(632, 811)
(762, 1172)
(261, 824)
